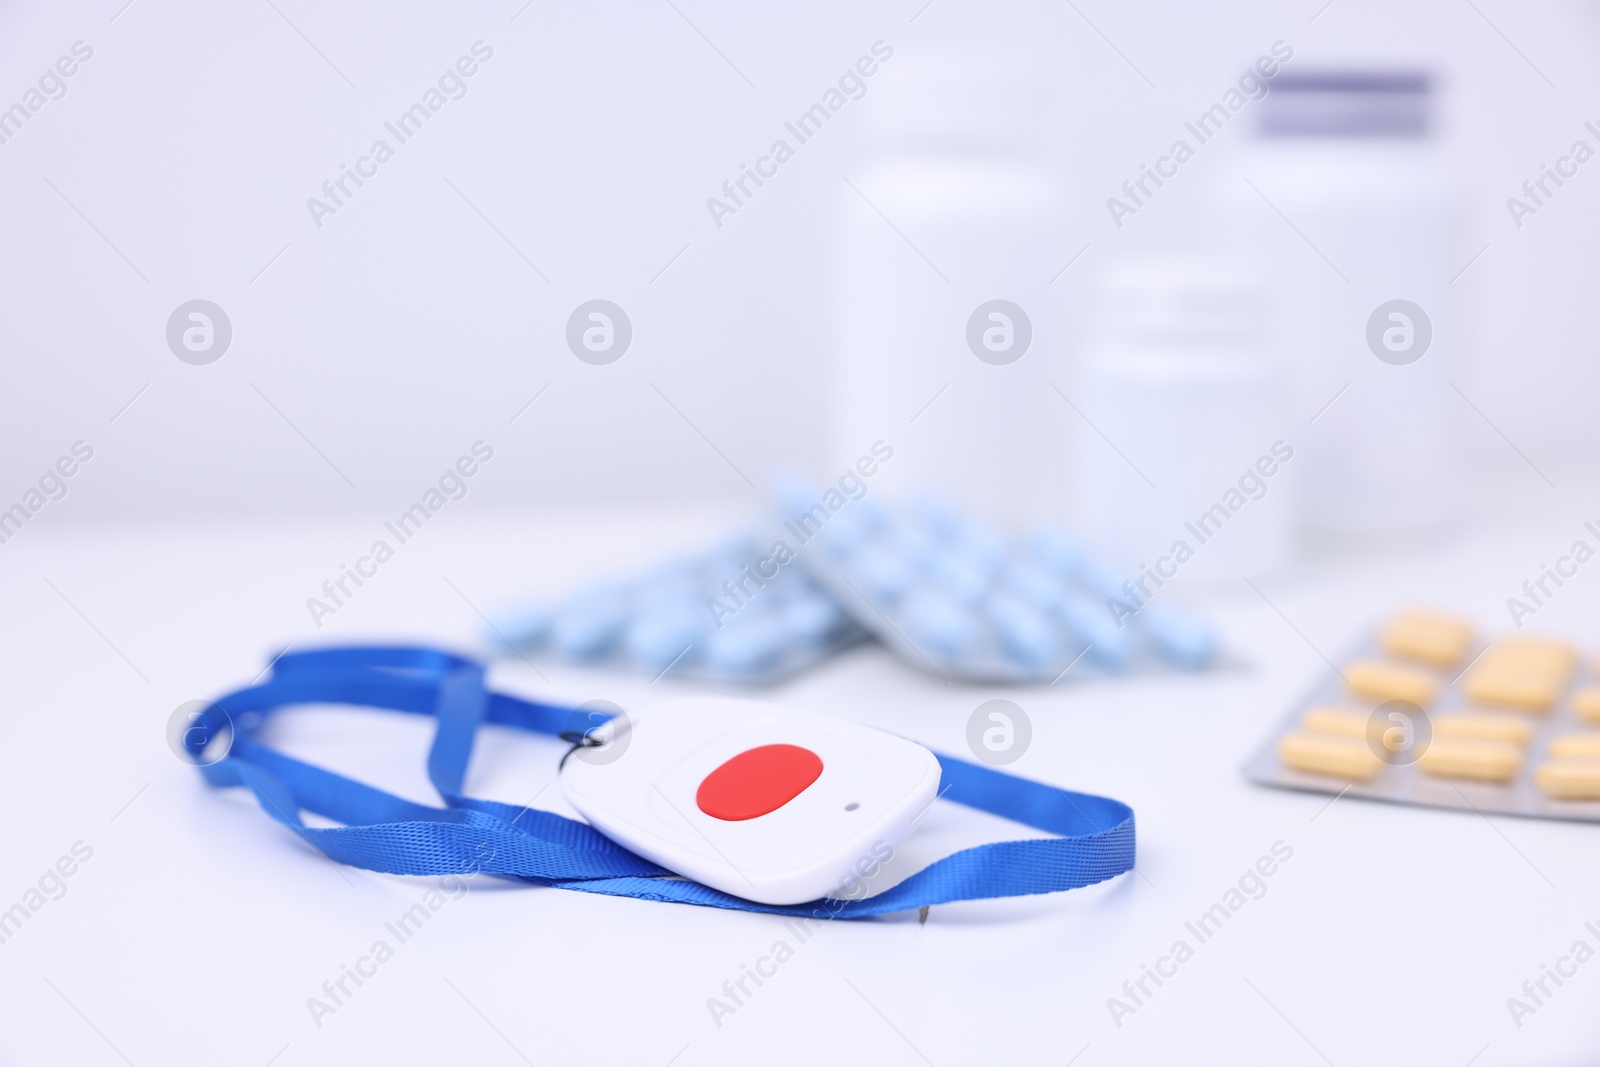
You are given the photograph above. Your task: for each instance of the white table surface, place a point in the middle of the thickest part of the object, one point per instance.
(199, 928)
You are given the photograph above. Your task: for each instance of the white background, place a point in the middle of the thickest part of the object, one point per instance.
(406, 327)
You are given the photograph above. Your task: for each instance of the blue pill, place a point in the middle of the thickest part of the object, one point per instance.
(587, 634)
(526, 629)
(1056, 550)
(1033, 583)
(961, 578)
(591, 622)
(730, 559)
(655, 602)
(657, 640)
(881, 575)
(1026, 636)
(846, 533)
(1108, 584)
(873, 515)
(1182, 639)
(982, 546)
(937, 515)
(1107, 645)
(936, 625)
(745, 647)
(795, 496)
(812, 618)
(916, 546)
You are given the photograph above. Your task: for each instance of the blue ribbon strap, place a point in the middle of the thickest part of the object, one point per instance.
(382, 832)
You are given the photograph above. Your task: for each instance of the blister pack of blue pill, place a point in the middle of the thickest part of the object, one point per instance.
(946, 592)
(956, 597)
(710, 616)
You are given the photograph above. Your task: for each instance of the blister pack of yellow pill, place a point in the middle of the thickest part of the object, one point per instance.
(1430, 713)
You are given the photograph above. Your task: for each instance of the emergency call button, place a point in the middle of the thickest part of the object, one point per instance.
(758, 781)
(765, 803)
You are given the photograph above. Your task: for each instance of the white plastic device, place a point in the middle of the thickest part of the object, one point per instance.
(772, 805)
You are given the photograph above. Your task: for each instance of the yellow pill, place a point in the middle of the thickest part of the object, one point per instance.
(1340, 757)
(1512, 666)
(1532, 654)
(1346, 722)
(1582, 746)
(1512, 689)
(1570, 779)
(1552, 647)
(1488, 761)
(1390, 681)
(1478, 726)
(1586, 704)
(1431, 637)
(1441, 621)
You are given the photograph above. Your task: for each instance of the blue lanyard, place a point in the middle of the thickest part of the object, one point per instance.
(382, 832)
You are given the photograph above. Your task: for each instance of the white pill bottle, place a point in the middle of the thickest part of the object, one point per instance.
(948, 233)
(1188, 452)
(1344, 199)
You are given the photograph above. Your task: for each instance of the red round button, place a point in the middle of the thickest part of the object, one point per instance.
(758, 781)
